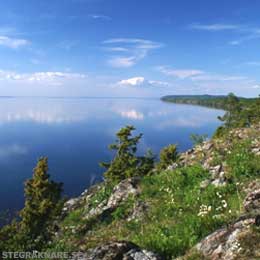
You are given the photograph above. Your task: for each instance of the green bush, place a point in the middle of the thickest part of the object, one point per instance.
(168, 156)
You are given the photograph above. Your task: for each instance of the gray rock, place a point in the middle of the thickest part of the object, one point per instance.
(71, 204)
(223, 243)
(120, 193)
(252, 202)
(215, 171)
(256, 150)
(137, 254)
(222, 176)
(115, 251)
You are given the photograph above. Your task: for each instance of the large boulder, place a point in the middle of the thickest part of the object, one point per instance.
(120, 193)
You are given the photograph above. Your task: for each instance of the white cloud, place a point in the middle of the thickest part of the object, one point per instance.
(198, 75)
(246, 33)
(159, 83)
(215, 77)
(257, 86)
(116, 49)
(132, 81)
(50, 78)
(214, 27)
(122, 62)
(141, 81)
(13, 43)
(182, 74)
(135, 50)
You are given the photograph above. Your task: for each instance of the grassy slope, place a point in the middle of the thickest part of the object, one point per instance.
(180, 213)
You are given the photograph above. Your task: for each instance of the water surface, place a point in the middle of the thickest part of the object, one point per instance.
(75, 133)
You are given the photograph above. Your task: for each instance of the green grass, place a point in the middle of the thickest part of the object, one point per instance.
(180, 213)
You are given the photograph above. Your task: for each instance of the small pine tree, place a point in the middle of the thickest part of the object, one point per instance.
(42, 206)
(168, 156)
(125, 163)
(232, 117)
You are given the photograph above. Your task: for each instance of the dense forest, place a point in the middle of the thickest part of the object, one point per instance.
(220, 102)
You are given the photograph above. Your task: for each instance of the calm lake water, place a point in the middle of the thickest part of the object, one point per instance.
(75, 133)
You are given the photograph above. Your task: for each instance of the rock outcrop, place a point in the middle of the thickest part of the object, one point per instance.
(224, 243)
(121, 250)
(227, 243)
(120, 193)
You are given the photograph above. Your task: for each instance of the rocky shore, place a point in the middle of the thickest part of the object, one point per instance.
(238, 239)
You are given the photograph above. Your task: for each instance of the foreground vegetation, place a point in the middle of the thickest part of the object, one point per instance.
(172, 205)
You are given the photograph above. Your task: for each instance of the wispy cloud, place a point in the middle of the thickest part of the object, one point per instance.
(246, 32)
(197, 75)
(252, 63)
(13, 43)
(49, 78)
(100, 17)
(135, 50)
(182, 74)
(214, 27)
(123, 62)
(217, 77)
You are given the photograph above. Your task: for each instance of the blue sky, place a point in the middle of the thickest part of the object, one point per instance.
(129, 48)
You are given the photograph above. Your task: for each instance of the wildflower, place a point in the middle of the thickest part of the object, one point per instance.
(224, 203)
(204, 210)
(219, 195)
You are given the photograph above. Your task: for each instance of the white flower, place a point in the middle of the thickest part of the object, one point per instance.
(219, 195)
(224, 203)
(204, 210)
